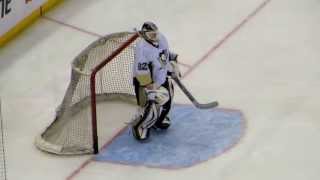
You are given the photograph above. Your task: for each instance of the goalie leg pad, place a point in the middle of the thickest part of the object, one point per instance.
(141, 127)
(163, 121)
(160, 95)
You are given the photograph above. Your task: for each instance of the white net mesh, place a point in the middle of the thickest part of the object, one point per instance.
(71, 130)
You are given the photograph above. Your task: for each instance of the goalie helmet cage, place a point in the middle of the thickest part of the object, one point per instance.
(101, 72)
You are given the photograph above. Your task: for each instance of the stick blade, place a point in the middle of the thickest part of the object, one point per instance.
(207, 105)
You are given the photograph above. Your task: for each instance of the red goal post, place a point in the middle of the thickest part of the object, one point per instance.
(93, 88)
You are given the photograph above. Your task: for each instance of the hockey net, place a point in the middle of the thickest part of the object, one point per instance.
(102, 72)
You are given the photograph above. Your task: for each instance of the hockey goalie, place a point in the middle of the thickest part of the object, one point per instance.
(153, 65)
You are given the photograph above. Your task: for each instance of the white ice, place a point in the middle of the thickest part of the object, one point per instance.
(269, 69)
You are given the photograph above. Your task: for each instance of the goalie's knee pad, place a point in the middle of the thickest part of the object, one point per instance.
(160, 95)
(141, 126)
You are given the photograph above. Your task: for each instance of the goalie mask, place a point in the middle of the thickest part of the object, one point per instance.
(150, 33)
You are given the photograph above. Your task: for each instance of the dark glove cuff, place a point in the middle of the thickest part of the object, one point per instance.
(173, 57)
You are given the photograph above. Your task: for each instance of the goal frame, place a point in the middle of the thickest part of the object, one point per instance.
(93, 88)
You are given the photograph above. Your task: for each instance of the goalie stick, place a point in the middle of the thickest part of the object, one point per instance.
(191, 98)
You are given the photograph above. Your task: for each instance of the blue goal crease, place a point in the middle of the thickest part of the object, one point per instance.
(194, 136)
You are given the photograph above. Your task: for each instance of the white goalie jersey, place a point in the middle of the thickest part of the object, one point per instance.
(151, 62)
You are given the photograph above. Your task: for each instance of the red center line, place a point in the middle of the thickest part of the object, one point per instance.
(194, 66)
(224, 39)
(89, 32)
(71, 26)
(82, 166)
